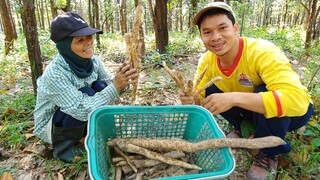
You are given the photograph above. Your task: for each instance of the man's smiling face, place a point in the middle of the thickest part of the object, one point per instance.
(218, 33)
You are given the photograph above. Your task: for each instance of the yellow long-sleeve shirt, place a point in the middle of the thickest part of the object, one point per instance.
(259, 62)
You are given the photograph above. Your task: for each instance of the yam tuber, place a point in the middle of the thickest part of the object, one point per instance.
(183, 145)
(190, 88)
(153, 155)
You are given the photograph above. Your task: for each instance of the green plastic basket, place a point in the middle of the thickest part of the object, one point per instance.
(191, 123)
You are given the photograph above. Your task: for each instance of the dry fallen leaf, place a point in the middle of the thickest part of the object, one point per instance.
(10, 111)
(29, 135)
(6, 176)
(60, 176)
(31, 148)
(57, 176)
(26, 162)
(76, 159)
(82, 175)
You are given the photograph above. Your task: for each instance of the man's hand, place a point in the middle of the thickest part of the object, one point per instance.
(218, 102)
(125, 76)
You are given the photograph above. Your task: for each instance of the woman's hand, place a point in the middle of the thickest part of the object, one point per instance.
(185, 99)
(125, 76)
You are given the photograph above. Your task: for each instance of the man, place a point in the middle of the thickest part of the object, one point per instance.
(74, 84)
(258, 84)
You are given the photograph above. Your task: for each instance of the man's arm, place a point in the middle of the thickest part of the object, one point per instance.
(221, 102)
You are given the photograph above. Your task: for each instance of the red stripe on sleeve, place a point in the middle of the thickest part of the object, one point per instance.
(279, 107)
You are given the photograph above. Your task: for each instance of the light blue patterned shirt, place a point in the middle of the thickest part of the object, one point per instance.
(58, 87)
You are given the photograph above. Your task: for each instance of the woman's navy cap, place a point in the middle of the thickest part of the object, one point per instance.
(70, 24)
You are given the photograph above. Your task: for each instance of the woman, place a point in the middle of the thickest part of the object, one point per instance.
(74, 84)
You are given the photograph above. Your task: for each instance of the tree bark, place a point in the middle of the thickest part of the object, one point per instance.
(123, 17)
(159, 21)
(29, 24)
(170, 16)
(41, 17)
(53, 9)
(180, 16)
(37, 6)
(117, 17)
(317, 29)
(106, 25)
(286, 6)
(91, 20)
(264, 12)
(8, 25)
(48, 17)
(97, 20)
(311, 19)
(192, 12)
(315, 12)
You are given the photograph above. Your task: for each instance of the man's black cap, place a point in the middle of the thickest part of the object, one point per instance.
(70, 24)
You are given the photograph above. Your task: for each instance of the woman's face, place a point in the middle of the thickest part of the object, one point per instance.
(83, 46)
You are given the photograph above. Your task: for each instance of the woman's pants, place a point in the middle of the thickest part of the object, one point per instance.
(61, 119)
(67, 131)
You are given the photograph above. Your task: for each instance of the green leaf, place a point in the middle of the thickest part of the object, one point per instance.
(308, 132)
(247, 128)
(316, 142)
(317, 126)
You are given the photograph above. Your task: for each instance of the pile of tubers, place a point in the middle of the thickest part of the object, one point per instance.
(151, 158)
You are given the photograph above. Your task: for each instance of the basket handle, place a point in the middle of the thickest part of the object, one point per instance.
(90, 142)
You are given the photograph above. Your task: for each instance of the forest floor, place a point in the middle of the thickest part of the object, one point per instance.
(156, 88)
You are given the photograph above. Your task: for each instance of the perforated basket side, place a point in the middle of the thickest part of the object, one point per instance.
(150, 124)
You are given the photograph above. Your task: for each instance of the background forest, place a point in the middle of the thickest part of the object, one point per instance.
(167, 35)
